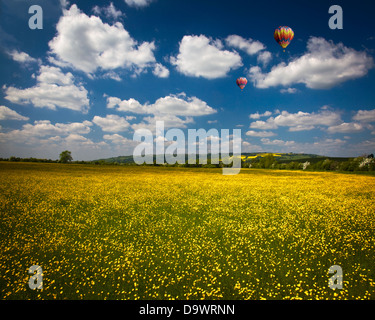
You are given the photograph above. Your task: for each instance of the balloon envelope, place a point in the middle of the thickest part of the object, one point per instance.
(241, 82)
(283, 36)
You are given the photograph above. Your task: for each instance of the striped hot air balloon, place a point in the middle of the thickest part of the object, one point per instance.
(241, 82)
(283, 36)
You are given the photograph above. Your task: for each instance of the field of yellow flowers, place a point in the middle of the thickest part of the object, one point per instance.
(113, 232)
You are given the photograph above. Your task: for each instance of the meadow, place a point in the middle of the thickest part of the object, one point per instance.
(128, 232)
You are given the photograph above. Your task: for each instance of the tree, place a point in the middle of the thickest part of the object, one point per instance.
(269, 160)
(66, 156)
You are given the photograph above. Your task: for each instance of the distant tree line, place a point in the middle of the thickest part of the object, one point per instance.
(362, 163)
(31, 159)
(65, 157)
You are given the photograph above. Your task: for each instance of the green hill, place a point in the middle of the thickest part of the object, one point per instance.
(119, 160)
(246, 157)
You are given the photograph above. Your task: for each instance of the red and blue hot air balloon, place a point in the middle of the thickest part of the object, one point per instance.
(241, 82)
(283, 36)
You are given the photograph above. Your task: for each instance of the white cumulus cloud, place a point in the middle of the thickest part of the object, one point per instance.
(111, 123)
(263, 125)
(88, 44)
(22, 57)
(138, 3)
(119, 139)
(32, 133)
(264, 57)
(160, 71)
(289, 90)
(250, 46)
(277, 142)
(200, 56)
(323, 66)
(299, 121)
(262, 134)
(177, 105)
(53, 89)
(365, 115)
(109, 12)
(346, 127)
(169, 121)
(257, 115)
(176, 111)
(9, 114)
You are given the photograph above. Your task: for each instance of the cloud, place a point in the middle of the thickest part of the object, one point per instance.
(160, 71)
(110, 12)
(53, 89)
(322, 147)
(200, 56)
(138, 3)
(111, 123)
(9, 114)
(301, 127)
(46, 128)
(169, 120)
(81, 147)
(365, 115)
(23, 57)
(257, 115)
(53, 75)
(277, 142)
(325, 119)
(77, 138)
(362, 120)
(118, 139)
(130, 117)
(250, 46)
(87, 44)
(64, 4)
(119, 145)
(365, 146)
(300, 118)
(112, 75)
(31, 133)
(345, 127)
(289, 90)
(178, 105)
(300, 121)
(48, 139)
(323, 66)
(264, 57)
(249, 147)
(326, 146)
(263, 125)
(262, 134)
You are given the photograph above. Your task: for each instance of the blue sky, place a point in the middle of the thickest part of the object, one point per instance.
(99, 70)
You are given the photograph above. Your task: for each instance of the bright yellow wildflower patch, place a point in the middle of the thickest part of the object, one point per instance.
(112, 232)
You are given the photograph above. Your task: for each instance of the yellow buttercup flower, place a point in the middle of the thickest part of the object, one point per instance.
(113, 232)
